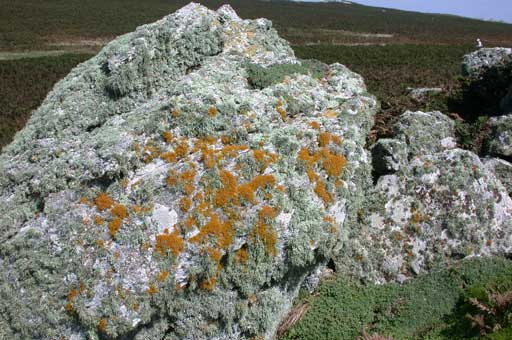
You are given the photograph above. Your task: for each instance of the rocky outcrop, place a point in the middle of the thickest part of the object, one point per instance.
(157, 193)
(435, 204)
(186, 181)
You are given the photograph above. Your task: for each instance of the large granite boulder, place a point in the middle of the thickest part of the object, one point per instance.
(434, 205)
(181, 184)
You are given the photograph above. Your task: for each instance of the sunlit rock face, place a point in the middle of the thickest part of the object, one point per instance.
(432, 204)
(181, 184)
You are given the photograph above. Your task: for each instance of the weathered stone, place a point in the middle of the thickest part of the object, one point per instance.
(488, 82)
(425, 132)
(422, 93)
(442, 205)
(500, 139)
(156, 194)
(502, 169)
(480, 61)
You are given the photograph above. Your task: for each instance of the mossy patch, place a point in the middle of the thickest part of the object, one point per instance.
(260, 77)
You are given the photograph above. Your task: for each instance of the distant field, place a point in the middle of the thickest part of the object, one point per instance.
(47, 24)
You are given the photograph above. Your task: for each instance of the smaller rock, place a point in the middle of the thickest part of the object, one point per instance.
(425, 132)
(500, 139)
(476, 63)
(422, 92)
(503, 171)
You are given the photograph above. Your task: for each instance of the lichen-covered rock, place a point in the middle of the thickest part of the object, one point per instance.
(156, 194)
(500, 139)
(443, 204)
(502, 169)
(488, 85)
(480, 61)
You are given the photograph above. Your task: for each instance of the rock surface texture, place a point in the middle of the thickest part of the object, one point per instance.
(157, 194)
(489, 75)
(434, 203)
(186, 181)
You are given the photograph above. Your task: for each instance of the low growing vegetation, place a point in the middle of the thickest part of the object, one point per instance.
(469, 300)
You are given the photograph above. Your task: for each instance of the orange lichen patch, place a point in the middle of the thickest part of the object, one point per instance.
(282, 112)
(215, 254)
(102, 325)
(267, 213)
(324, 139)
(209, 283)
(233, 150)
(212, 111)
(152, 290)
(221, 231)
(98, 220)
(162, 276)
(114, 226)
(321, 191)
(69, 307)
(252, 299)
(208, 158)
(168, 137)
(181, 149)
(168, 157)
(281, 188)
(315, 125)
(172, 179)
(189, 223)
(334, 164)
(100, 243)
(85, 201)
(151, 152)
(330, 114)
(229, 191)
(304, 155)
(311, 174)
(264, 158)
(185, 204)
(103, 201)
(72, 294)
(120, 211)
(225, 139)
(336, 139)
(175, 113)
(416, 217)
(169, 242)
(186, 179)
(242, 255)
(139, 209)
(247, 190)
(267, 236)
